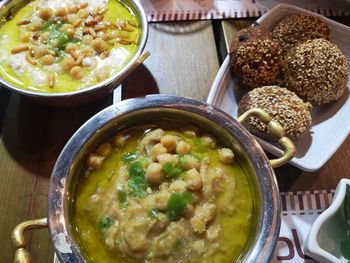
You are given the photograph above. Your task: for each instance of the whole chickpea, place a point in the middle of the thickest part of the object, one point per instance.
(161, 200)
(154, 173)
(193, 179)
(87, 39)
(71, 47)
(45, 13)
(76, 72)
(94, 161)
(25, 37)
(73, 9)
(71, 18)
(36, 24)
(183, 147)
(169, 142)
(61, 11)
(104, 149)
(47, 59)
(226, 155)
(83, 13)
(99, 45)
(158, 149)
(67, 63)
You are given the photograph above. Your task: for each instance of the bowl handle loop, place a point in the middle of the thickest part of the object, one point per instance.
(276, 130)
(18, 242)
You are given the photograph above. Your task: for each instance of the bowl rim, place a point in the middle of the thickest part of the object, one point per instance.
(267, 231)
(137, 7)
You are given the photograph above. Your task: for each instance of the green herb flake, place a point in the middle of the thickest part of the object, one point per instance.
(177, 204)
(106, 222)
(129, 157)
(137, 181)
(153, 213)
(177, 246)
(171, 171)
(122, 196)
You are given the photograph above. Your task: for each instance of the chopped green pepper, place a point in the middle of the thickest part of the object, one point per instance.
(177, 204)
(122, 196)
(129, 157)
(137, 181)
(171, 170)
(106, 222)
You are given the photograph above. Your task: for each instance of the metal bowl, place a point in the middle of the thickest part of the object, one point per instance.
(88, 94)
(257, 166)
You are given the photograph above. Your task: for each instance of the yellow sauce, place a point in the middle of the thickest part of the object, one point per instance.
(233, 214)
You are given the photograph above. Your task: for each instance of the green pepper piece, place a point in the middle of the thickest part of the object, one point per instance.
(62, 40)
(129, 157)
(177, 203)
(122, 196)
(106, 222)
(137, 181)
(345, 245)
(171, 170)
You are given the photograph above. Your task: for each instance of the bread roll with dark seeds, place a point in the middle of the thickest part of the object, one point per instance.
(298, 28)
(316, 71)
(283, 106)
(255, 58)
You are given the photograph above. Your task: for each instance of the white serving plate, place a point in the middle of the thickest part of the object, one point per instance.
(330, 123)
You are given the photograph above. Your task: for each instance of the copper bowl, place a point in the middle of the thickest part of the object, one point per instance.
(257, 166)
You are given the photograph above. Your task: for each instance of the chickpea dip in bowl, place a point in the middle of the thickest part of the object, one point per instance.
(69, 52)
(161, 179)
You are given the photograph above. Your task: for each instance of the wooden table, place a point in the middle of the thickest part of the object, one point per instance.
(185, 57)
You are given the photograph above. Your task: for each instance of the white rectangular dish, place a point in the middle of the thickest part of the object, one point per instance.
(330, 123)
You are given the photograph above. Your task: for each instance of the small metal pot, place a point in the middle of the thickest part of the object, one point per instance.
(252, 158)
(88, 94)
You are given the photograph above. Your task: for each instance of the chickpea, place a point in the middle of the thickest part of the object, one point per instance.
(82, 13)
(61, 11)
(193, 179)
(47, 59)
(104, 149)
(167, 158)
(183, 147)
(69, 29)
(119, 140)
(210, 141)
(87, 39)
(189, 211)
(36, 24)
(71, 18)
(190, 162)
(71, 47)
(169, 142)
(103, 73)
(88, 51)
(76, 72)
(161, 200)
(154, 173)
(73, 9)
(67, 63)
(99, 45)
(54, 43)
(25, 37)
(226, 155)
(83, 5)
(177, 186)
(40, 51)
(44, 37)
(94, 161)
(45, 13)
(157, 149)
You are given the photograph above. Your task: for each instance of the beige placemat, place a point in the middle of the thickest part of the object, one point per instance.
(172, 10)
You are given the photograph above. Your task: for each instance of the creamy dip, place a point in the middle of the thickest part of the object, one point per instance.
(155, 193)
(62, 46)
